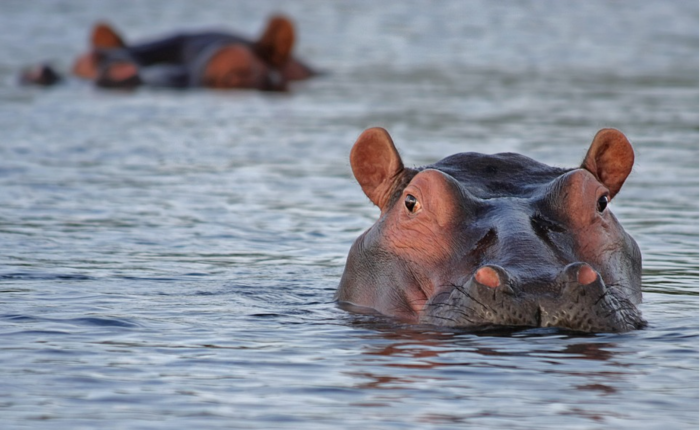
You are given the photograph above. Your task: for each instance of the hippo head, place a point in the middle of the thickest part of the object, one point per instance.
(42, 75)
(259, 65)
(483, 241)
(237, 66)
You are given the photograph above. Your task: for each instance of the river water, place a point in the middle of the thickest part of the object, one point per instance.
(168, 259)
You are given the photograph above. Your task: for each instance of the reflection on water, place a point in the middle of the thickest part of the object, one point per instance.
(537, 366)
(169, 259)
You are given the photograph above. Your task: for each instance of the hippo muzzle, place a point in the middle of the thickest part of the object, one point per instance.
(482, 241)
(579, 301)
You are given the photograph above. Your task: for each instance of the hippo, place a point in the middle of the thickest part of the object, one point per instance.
(210, 59)
(42, 75)
(480, 241)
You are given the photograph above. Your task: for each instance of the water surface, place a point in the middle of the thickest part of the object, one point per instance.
(169, 259)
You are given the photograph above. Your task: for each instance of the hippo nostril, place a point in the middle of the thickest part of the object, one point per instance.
(586, 275)
(487, 276)
(493, 276)
(578, 274)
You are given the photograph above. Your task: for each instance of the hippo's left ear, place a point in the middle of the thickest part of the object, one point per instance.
(610, 159)
(377, 165)
(104, 36)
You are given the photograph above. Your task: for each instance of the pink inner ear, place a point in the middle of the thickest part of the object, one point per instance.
(376, 165)
(610, 159)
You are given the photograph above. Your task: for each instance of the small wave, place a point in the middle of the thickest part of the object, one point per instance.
(103, 322)
(44, 276)
(92, 321)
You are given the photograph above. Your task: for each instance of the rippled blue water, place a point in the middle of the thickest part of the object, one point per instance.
(168, 259)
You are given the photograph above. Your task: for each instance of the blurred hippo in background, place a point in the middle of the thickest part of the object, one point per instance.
(188, 60)
(41, 74)
(484, 241)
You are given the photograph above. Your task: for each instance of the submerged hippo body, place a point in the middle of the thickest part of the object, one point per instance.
(202, 59)
(480, 241)
(210, 59)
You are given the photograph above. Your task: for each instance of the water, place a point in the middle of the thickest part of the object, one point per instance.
(169, 259)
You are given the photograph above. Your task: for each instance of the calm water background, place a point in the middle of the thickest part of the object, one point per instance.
(168, 259)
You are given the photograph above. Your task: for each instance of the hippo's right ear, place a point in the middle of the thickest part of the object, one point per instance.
(277, 41)
(377, 165)
(610, 159)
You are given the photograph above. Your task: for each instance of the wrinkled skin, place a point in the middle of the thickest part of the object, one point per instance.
(482, 241)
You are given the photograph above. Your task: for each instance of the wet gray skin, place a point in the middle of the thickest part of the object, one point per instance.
(483, 241)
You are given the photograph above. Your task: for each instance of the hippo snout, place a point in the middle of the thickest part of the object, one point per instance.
(577, 299)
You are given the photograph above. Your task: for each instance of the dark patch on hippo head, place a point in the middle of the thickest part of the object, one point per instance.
(479, 240)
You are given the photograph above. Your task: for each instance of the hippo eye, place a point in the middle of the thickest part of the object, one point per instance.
(602, 203)
(411, 203)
